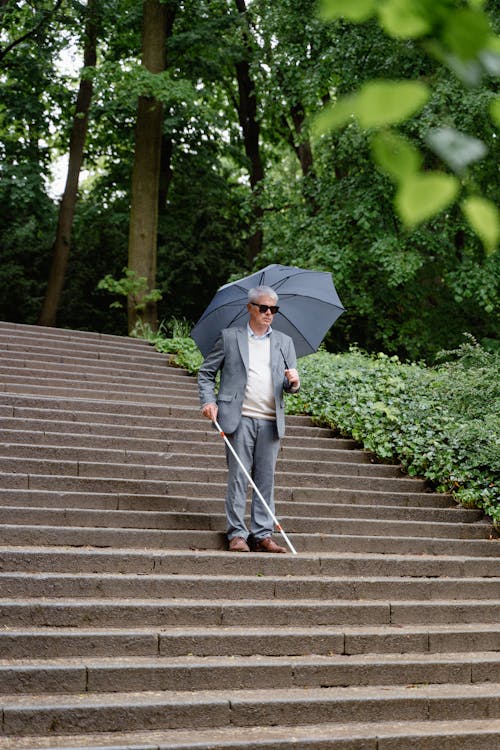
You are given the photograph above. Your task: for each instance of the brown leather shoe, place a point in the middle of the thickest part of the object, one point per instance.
(238, 544)
(268, 545)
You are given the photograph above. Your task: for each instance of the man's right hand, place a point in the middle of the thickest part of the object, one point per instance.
(210, 411)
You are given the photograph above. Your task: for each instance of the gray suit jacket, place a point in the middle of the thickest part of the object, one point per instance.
(230, 356)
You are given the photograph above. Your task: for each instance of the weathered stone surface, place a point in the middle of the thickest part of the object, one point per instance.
(125, 624)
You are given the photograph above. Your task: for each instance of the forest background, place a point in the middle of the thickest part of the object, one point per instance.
(228, 93)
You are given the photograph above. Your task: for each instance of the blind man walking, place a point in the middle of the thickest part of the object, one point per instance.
(257, 366)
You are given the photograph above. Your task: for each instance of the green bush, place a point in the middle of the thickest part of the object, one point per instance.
(173, 338)
(440, 422)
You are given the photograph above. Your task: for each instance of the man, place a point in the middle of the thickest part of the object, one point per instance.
(257, 365)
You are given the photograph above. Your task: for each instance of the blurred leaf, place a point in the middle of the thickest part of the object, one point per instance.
(490, 59)
(466, 32)
(455, 148)
(376, 104)
(335, 115)
(424, 195)
(352, 10)
(395, 155)
(404, 19)
(484, 218)
(469, 72)
(383, 102)
(495, 111)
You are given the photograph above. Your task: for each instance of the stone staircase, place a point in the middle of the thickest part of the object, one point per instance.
(124, 623)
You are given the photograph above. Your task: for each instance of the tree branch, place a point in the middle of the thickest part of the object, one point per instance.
(45, 17)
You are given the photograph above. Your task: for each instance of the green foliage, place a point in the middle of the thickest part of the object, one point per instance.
(406, 294)
(173, 338)
(407, 291)
(132, 286)
(440, 422)
(462, 40)
(377, 103)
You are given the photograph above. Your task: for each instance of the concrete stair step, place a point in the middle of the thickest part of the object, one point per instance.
(44, 436)
(88, 477)
(323, 495)
(130, 414)
(70, 351)
(193, 492)
(93, 372)
(107, 712)
(175, 562)
(39, 333)
(193, 673)
(53, 642)
(185, 504)
(109, 612)
(346, 521)
(189, 417)
(417, 735)
(114, 393)
(129, 585)
(26, 360)
(201, 474)
(179, 456)
(90, 344)
(17, 534)
(50, 418)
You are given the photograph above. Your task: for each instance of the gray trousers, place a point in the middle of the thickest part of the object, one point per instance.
(257, 444)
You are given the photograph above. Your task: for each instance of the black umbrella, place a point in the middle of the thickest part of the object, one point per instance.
(308, 306)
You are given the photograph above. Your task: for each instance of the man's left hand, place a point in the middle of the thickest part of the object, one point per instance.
(293, 378)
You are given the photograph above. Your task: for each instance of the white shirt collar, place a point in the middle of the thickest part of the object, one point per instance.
(253, 335)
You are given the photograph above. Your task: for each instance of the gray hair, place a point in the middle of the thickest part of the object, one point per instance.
(262, 291)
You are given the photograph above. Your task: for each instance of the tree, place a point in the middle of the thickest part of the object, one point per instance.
(142, 255)
(246, 106)
(410, 293)
(62, 242)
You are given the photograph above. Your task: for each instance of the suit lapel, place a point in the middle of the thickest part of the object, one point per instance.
(275, 352)
(242, 339)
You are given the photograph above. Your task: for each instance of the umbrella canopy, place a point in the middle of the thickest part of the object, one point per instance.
(308, 306)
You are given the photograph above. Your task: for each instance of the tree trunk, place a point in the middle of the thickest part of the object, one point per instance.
(62, 242)
(146, 172)
(301, 146)
(247, 113)
(167, 145)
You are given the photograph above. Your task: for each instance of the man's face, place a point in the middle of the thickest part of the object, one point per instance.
(256, 317)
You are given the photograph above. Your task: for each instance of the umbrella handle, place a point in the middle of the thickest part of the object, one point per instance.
(284, 359)
(266, 506)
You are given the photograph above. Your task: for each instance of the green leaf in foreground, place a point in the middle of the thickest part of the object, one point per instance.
(388, 102)
(395, 155)
(335, 115)
(352, 10)
(495, 111)
(466, 32)
(421, 196)
(484, 218)
(377, 104)
(404, 19)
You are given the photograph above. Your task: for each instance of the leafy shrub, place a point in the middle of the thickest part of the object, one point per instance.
(173, 338)
(440, 422)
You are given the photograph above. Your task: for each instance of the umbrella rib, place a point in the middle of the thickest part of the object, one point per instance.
(311, 297)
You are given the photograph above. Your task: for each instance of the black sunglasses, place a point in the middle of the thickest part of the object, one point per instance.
(264, 308)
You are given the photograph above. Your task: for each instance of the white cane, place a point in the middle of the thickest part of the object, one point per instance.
(266, 506)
